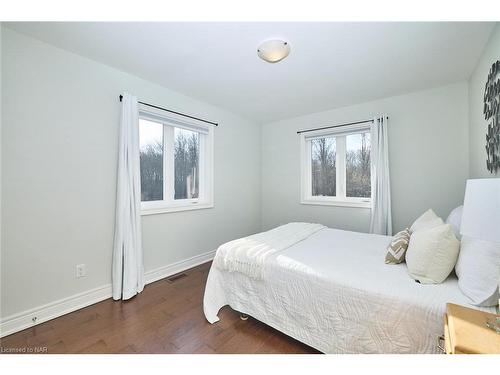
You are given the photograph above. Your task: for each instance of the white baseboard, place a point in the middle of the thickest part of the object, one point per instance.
(37, 315)
(172, 269)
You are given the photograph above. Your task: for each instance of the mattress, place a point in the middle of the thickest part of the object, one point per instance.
(334, 292)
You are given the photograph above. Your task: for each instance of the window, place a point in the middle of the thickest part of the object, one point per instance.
(151, 155)
(323, 167)
(175, 162)
(336, 167)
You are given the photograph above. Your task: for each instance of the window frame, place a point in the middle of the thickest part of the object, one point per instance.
(206, 158)
(340, 198)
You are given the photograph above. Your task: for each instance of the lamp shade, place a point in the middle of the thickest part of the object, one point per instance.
(481, 213)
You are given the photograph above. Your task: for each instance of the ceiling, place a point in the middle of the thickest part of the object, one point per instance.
(330, 64)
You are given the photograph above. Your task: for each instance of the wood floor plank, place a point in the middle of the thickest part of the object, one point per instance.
(167, 317)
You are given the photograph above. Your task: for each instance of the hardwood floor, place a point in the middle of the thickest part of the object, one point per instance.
(167, 317)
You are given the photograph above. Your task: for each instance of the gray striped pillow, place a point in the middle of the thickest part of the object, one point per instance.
(397, 248)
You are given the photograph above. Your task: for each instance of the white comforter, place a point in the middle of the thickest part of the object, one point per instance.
(334, 292)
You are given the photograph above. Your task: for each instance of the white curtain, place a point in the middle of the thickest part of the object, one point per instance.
(381, 220)
(128, 268)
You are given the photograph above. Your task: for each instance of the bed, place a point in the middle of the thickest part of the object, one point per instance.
(332, 291)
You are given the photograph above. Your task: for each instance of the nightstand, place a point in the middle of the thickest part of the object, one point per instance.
(465, 332)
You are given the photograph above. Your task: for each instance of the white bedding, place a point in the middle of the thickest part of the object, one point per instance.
(334, 292)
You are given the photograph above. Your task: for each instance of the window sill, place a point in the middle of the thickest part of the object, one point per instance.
(339, 203)
(165, 210)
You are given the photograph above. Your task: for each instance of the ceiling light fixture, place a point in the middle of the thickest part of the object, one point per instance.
(273, 51)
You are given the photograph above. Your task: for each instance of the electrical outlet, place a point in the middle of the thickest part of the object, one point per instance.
(80, 271)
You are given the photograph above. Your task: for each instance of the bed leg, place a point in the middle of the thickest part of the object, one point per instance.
(243, 316)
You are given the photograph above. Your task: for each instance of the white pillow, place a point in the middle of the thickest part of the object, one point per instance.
(455, 219)
(427, 220)
(432, 254)
(478, 270)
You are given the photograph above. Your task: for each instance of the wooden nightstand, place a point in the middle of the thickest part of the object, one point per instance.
(465, 331)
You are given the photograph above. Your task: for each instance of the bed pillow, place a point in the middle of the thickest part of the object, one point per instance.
(455, 220)
(478, 271)
(397, 248)
(432, 254)
(427, 220)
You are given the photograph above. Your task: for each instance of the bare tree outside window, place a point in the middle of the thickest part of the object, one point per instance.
(186, 164)
(358, 182)
(323, 166)
(151, 160)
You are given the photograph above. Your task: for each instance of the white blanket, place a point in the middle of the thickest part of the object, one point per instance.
(249, 254)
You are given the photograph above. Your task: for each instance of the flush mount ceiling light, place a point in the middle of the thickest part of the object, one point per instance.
(273, 51)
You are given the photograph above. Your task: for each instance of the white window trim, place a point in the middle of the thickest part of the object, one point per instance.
(306, 196)
(206, 173)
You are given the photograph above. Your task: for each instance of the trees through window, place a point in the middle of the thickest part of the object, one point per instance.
(336, 168)
(358, 165)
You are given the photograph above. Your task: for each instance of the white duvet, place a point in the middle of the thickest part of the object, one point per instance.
(334, 292)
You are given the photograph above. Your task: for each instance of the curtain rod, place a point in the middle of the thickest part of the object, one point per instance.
(336, 126)
(177, 113)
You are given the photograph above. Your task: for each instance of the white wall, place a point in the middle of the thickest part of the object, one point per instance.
(59, 156)
(477, 123)
(428, 151)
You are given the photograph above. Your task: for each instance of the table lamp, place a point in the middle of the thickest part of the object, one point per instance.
(481, 215)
